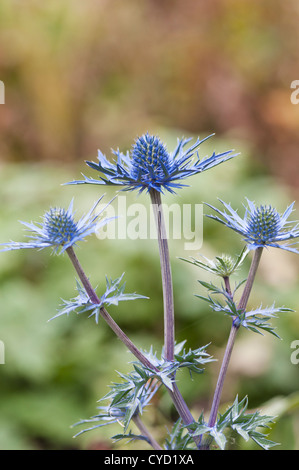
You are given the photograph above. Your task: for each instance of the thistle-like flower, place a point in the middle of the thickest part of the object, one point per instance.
(150, 166)
(261, 226)
(59, 229)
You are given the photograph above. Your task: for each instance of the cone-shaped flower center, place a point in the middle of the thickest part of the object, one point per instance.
(149, 158)
(263, 224)
(59, 225)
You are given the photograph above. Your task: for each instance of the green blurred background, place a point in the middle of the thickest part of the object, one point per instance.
(95, 74)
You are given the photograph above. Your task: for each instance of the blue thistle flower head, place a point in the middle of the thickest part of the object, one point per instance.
(261, 226)
(59, 226)
(149, 165)
(59, 229)
(149, 159)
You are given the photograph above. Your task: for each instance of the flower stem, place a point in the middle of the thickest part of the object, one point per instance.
(222, 374)
(145, 432)
(166, 276)
(183, 410)
(105, 315)
(227, 286)
(177, 399)
(169, 335)
(231, 341)
(251, 276)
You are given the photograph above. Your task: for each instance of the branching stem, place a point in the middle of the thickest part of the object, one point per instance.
(231, 340)
(178, 400)
(169, 334)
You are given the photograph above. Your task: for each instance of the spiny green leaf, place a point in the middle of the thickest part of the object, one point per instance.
(219, 437)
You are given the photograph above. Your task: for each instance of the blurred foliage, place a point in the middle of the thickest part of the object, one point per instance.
(55, 371)
(82, 75)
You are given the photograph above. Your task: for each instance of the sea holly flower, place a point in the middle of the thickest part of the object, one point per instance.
(261, 226)
(59, 229)
(149, 165)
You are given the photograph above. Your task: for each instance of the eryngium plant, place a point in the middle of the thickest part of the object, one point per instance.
(149, 167)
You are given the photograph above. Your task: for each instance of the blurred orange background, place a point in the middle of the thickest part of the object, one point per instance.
(83, 75)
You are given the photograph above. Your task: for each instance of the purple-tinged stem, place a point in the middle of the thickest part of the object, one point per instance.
(231, 340)
(169, 336)
(105, 315)
(145, 432)
(251, 276)
(227, 286)
(177, 399)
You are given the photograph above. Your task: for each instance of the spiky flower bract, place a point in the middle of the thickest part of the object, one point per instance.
(222, 266)
(59, 229)
(82, 303)
(261, 226)
(150, 166)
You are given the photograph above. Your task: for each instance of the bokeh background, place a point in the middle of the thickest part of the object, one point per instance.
(96, 74)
